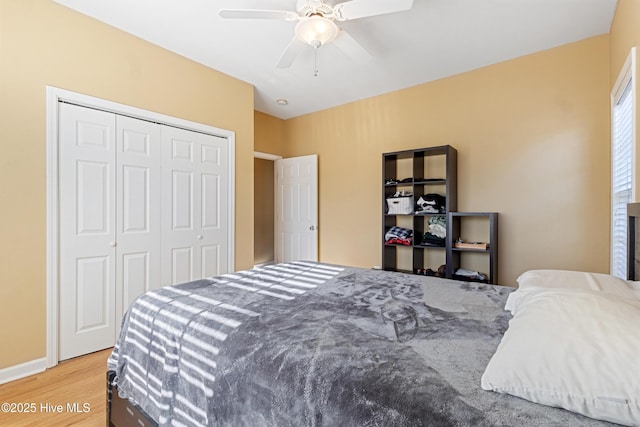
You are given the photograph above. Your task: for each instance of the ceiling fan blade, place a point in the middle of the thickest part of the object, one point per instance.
(351, 47)
(355, 9)
(289, 55)
(257, 14)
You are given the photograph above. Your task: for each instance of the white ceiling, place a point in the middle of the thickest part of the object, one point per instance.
(435, 39)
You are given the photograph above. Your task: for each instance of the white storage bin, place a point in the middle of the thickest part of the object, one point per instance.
(400, 205)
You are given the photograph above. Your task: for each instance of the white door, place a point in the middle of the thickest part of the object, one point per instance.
(194, 202)
(138, 210)
(87, 233)
(296, 209)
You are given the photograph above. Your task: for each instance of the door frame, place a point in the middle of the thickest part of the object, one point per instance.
(54, 96)
(266, 156)
(272, 158)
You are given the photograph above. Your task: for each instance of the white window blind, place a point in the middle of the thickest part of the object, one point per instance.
(622, 175)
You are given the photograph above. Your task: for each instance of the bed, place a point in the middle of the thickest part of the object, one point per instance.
(312, 344)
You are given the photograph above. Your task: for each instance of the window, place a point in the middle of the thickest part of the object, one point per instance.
(622, 163)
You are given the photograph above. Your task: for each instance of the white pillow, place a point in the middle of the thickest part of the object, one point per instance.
(565, 279)
(574, 349)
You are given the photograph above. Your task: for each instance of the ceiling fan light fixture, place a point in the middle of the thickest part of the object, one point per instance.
(316, 30)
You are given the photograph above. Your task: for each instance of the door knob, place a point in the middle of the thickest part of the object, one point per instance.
(199, 237)
(113, 244)
(312, 228)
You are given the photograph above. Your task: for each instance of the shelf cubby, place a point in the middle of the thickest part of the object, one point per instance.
(473, 227)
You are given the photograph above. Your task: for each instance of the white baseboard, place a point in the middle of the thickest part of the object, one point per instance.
(22, 370)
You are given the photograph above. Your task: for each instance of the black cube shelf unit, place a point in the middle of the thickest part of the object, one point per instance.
(455, 255)
(430, 170)
(423, 171)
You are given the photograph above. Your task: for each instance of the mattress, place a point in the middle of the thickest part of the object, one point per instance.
(310, 344)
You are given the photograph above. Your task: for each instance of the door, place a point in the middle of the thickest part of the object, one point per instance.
(109, 223)
(194, 202)
(87, 233)
(296, 182)
(138, 183)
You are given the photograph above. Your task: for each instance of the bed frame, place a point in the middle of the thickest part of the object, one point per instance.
(123, 413)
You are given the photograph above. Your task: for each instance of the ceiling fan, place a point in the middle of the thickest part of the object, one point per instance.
(316, 23)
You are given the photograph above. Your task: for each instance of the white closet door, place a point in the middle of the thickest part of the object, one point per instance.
(138, 210)
(87, 230)
(195, 199)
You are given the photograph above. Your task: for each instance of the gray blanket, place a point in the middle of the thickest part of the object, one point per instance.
(306, 344)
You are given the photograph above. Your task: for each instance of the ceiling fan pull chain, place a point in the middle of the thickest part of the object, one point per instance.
(315, 62)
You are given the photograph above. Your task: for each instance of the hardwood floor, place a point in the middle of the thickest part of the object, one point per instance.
(70, 394)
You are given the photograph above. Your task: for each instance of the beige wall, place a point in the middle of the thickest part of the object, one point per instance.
(625, 33)
(269, 134)
(532, 136)
(43, 43)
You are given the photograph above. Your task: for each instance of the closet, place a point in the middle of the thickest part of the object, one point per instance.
(141, 205)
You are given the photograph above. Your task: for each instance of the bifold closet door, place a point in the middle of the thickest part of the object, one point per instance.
(109, 194)
(195, 200)
(138, 210)
(141, 205)
(87, 233)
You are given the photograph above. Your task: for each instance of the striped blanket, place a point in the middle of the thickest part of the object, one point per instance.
(309, 344)
(166, 356)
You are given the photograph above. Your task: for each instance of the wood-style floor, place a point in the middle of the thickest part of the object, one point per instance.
(70, 394)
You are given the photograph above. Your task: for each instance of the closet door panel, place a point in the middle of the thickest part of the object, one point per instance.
(180, 205)
(138, 209)
(210, 202)
(135, 275)
(214, 224)
(136, 199)
(182, 267)
(210, 260)
(93, 277)
(182, 201)
(93, 202)
(87, 230)
(194, 171)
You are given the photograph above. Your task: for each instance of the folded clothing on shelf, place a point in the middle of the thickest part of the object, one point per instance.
(430, 240)
(399, 236)
(431, 203)
(437, 232)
